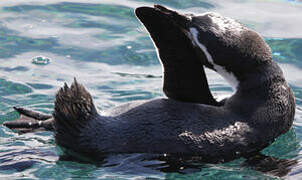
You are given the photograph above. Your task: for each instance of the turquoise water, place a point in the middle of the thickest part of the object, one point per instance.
(107, 49)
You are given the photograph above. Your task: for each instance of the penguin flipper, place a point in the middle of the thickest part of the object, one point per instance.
(30, 121)
(184, 76)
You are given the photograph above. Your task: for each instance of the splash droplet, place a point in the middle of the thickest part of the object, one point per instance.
(40, 60)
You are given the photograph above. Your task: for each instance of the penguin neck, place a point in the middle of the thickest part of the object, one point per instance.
(261, 79)
(257, 79)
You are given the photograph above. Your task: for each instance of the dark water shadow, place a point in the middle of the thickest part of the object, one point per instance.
(21, 158)
(150, 164)
(270, 165)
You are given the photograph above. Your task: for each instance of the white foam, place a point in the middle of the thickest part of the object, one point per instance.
(228, 76)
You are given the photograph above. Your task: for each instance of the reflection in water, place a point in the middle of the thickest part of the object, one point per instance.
(157, 164)
(271, 165)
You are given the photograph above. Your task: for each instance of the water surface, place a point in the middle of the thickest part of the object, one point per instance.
(107, 49)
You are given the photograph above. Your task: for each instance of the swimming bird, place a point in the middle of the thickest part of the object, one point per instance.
(189, 121)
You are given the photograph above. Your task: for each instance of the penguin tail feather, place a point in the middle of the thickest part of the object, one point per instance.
(74, 108)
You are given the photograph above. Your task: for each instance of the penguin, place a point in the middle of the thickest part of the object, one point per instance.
(189, 122)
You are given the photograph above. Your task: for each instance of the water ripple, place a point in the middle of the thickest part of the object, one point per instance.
(102, 44)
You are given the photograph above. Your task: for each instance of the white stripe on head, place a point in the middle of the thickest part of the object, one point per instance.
(228, 76)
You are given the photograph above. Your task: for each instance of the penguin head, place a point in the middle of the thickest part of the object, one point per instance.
(231, 49)
(222, 44)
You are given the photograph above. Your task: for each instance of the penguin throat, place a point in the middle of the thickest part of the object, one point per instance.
(228, 76)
